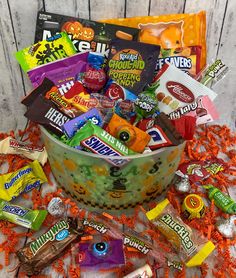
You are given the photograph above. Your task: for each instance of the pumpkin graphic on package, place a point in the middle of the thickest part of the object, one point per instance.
(87, 34)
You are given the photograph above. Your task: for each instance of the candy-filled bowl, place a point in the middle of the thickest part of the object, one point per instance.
(97, 182)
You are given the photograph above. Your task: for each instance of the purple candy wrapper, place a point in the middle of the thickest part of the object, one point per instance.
(77, 123)
(87, 257)
(62, 72)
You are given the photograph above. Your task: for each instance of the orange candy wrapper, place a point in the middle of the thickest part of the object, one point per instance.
(170, 31)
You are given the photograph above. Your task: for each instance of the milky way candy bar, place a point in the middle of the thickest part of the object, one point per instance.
(49, 246)
(46, 113)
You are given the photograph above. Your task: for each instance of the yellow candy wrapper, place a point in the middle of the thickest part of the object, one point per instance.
(54, 48)
(170, 31)
(11, 146)
(192, 248)
(22, 180)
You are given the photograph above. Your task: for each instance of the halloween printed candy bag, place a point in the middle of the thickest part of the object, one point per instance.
(170, 31)
(85, 34)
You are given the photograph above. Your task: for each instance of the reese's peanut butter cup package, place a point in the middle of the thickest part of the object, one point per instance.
(85, 34)
(132, 64)
(170, 31)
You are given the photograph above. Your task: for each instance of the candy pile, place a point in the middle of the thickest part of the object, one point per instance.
(118, 91)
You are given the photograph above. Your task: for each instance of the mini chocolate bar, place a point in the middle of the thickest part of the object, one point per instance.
(85, 34)
(45, 249)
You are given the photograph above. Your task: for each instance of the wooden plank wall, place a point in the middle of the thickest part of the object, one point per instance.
(17, 26)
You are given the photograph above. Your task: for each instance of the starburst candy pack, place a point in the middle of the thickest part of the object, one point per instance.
(175, 31)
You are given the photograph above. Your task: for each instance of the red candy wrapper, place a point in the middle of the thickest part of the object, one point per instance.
(198, 170)
(186, 126)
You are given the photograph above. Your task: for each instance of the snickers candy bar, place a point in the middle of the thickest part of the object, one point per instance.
(41, 252)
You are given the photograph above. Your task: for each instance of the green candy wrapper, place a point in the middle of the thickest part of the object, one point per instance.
(222, 201)
(25, 217)
(95, 139)
(54, 48)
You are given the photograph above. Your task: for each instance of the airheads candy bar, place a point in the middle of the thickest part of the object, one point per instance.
(62, 72)
(84, 34)
(177, 89)
(71, 127)
(12, 146)
(185, 58)
(170, 31)
(22, 180)
(46, 51)
(202, 109)
(48, 115)
(31, 219)
(93, 138)
(192, 248)
(131, 64)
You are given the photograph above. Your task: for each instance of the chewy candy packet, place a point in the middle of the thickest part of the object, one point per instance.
(177, 89)
(94, 139)
(132, 64)
(48, 115)
(12, 146)
(199, 170)
(100, 254)
(192, 248)
(131, 136)
(85, 34)
(22, 180)
(222, 201)
(170, 31)
(31, 219)
(185, 126)
(186, 58)
(62, 72)
(203, 109)
(213, 73)
(46, 51)
(48, 247)
(71, 127)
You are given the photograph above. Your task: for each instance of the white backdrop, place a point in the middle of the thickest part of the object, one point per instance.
(17, 27)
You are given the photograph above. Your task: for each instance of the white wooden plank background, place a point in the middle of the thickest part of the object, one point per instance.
(17, 26)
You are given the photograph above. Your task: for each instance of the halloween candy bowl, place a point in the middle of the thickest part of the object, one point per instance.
(95, 181)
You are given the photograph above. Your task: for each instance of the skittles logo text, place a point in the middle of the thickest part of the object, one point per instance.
(126, 67)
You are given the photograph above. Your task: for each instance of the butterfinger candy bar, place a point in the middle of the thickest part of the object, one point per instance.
(11, 146)
(131, 136)
(93, 138)
(22, 180)
(46, 51)
(31, 219)
(48, 115)
(85, 34)
(177, 89)
(131, 64)
(49, 246)
(192, 248)
(163, 133)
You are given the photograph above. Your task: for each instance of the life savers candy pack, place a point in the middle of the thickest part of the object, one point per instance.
(170, 31)
(131, 64)
(45, 51)
(85, 34)
(177, 89)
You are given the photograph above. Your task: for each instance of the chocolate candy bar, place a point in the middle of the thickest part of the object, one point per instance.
(48, 115)
(31, 219)
(93, 138)
(71, 127)
(49, 246)
(85, 34)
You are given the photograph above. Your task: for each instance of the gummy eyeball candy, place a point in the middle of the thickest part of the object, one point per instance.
(100, 248)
